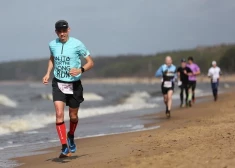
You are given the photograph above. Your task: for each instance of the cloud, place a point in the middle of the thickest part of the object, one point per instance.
(115, 27)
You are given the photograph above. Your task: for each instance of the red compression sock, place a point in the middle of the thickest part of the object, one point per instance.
(61, 130)
(73, 125)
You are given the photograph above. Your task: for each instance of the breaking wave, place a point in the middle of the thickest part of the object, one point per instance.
(6, 101)
(9, 124)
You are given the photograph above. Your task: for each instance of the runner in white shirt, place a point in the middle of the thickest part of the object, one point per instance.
(214, 73)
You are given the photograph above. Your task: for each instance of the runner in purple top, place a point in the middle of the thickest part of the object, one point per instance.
(192, 80)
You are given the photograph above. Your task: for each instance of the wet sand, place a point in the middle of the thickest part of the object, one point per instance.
(197, 137)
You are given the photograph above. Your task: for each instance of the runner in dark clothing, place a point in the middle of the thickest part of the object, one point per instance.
(183, 71)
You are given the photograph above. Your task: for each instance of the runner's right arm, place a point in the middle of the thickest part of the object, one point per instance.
(50, 65)
(209, 73)
(159, 72)
(178, 72)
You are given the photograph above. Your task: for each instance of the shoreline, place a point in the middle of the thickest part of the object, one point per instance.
(125, 80)
(148, 148)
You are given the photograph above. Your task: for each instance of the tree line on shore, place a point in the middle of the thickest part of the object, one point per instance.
(128, 65)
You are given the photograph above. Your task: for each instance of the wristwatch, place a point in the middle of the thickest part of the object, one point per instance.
(82, 69)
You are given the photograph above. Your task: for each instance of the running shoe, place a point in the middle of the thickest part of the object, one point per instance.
(215, 98)
(190, 103)
(65, 152)
(193, 101)
(182, 105)
(168, 114)
(72, 145)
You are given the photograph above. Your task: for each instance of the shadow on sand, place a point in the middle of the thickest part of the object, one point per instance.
(65, 160)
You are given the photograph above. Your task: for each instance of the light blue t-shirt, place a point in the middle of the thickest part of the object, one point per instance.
(168, 73)
(67, 56)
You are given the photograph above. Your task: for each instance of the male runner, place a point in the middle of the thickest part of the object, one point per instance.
(168, 73)
(65, 54)
(214, 73)
(183, 72)
(192, 80)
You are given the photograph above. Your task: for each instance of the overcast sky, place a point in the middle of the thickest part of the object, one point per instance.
(111, 27)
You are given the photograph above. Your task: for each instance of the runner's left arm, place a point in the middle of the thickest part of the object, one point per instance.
(89, 63)
(176, 74)
(220, 72)
(198, 71)
(83, 52)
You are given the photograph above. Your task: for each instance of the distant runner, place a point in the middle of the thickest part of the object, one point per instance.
(65, 54)
(168, 73)
(183, 72)
(192, 80)
(214, 73)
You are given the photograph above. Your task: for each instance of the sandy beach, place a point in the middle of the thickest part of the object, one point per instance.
(198, 137)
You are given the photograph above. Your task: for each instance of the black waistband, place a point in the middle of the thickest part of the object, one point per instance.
(57, 80)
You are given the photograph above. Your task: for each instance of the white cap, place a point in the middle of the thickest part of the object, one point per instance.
(213, 62)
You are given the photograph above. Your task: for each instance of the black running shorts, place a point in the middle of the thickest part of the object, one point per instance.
(165, 90)
(192, 85)
(184, 86)
(72, 100)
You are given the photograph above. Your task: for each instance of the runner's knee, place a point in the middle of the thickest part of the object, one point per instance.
(73, 113)
(60, 115)
(165, 99)
(74, 119)
(169, 98)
